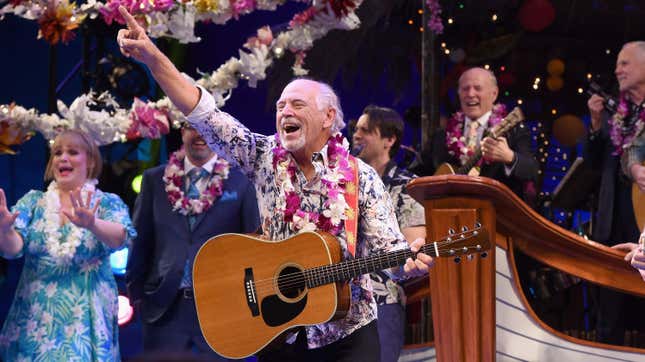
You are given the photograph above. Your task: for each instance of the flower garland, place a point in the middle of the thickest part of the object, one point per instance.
(143, 119)
(455, 140)
(434, 24)
(151, 119)
(334, 181)
(62, 250)
(620, 136)
(174, 179)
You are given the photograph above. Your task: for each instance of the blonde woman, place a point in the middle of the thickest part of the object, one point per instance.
(65, 307)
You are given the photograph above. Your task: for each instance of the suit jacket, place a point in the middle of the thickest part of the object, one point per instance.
(518, 139)
(598, 151)
(165, 241)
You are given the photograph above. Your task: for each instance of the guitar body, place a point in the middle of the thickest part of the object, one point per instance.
(638, 202)
(238, 321)
(444, 169)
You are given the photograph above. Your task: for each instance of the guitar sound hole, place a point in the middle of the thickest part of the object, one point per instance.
(291, 282)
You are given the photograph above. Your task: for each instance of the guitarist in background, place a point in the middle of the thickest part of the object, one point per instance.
(305, 179)
(507, 159)
(616, 145)
(378, 136)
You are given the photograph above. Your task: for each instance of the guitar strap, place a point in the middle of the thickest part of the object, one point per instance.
(351, 197)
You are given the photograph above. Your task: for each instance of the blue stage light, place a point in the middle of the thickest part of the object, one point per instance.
(119, 260)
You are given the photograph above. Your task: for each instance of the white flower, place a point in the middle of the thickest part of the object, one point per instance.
(50, 290)
(182, 24)
(47, 318)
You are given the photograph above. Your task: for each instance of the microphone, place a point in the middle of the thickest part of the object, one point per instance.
(356, 150)
(610, 102)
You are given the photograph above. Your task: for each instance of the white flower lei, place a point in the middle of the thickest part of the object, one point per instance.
(62, 251)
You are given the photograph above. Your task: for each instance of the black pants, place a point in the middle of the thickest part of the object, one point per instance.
(618, 311)
(178, 332)
(360, 346)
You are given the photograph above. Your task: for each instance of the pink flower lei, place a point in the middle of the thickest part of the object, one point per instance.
(616, 124)
(455, 140)
(174, 179)
(334, 181)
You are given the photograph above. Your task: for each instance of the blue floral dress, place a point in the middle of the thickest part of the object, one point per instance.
(64, 311)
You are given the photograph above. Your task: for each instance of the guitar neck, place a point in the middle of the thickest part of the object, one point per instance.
(346, 270)
(454, 245)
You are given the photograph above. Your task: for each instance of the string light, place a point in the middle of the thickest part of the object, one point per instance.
(447, 51)
(486, 66)
(450, 21)
(494, 17)
(580, 90)
(554, 111)
(520, 101)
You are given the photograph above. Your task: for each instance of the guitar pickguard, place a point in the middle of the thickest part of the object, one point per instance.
(276, 312)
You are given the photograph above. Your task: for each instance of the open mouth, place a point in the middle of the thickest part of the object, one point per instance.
(472, 104)
(65, 170)
(290, 128)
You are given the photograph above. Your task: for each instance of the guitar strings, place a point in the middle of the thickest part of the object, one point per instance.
(325, 271)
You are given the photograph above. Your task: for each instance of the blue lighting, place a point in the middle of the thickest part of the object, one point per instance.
(119, 260)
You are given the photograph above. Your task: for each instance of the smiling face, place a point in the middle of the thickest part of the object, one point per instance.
(630, 68)
(303, 127)
(69, 162)
(477, 92)
(196, 148)
(373, 146)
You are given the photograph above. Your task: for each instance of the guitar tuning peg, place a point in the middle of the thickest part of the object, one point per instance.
(451, 231)
(484, 254)
(464, 228)
(470, 257)
(478, 225)
(457, 259)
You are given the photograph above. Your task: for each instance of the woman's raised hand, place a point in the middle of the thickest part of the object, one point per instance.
(83, 214)
(6, 217)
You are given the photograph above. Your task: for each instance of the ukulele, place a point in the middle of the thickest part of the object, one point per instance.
(510, 121)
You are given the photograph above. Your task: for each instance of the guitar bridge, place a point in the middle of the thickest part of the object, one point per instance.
(251, 295)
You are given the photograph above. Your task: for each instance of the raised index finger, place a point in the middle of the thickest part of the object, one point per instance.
(3, 199)
(129, 19)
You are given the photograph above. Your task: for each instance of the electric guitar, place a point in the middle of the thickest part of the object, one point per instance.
(638, 203)
(248, 291)
(511, 120)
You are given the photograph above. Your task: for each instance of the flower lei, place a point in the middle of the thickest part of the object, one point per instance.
(622, 137)
(334, 181)
(455, 140)
(62, 250)
(173, 177)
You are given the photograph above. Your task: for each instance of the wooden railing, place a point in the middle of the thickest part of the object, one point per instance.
(463, 295)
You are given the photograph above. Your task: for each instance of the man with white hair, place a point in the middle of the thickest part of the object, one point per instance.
(508, 158)
(616, 146)
(303, 175)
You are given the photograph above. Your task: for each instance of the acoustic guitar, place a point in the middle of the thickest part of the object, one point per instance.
(638, 203)
(511, 120)
(248, 291)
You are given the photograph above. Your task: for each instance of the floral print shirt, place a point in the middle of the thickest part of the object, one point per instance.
(64, 311)
(409, 213)
(377, 231)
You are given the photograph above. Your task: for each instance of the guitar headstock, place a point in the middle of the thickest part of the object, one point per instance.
(516, 116)
(467, 242)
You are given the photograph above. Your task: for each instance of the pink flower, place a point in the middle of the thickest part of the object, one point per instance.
(303, 17)
(242, 6)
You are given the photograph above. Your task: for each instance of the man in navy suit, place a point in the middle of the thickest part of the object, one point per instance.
(196, 196)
